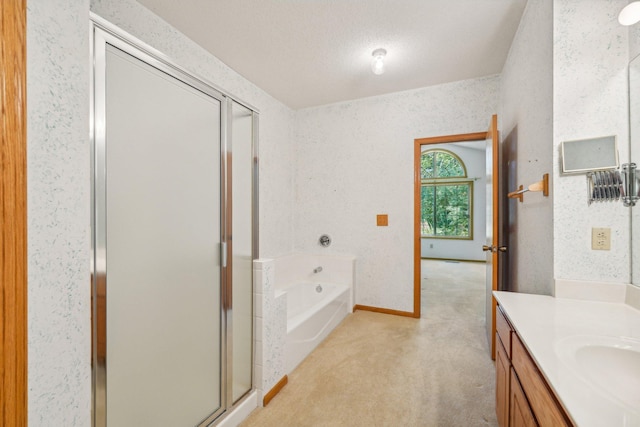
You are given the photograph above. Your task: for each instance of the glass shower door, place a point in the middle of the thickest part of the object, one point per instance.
(242, 164)
(161, 233)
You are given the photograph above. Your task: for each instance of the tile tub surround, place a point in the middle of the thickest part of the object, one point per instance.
(543, 321)
(270, 328)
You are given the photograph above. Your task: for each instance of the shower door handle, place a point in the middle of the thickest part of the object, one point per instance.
(223, 254)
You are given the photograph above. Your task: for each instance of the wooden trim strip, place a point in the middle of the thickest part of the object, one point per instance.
(476, 136)
(479, 261)
(492, 133)
(417, 182)
(275, 390)
(385, 311)
(13, 214)
(417, 238)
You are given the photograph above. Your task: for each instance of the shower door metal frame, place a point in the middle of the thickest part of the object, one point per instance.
(228, 237)
(103, 33)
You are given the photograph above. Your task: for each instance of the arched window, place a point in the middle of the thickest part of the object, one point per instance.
(446, 196)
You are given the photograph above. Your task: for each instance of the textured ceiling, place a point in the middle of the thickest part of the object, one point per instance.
(313, 52)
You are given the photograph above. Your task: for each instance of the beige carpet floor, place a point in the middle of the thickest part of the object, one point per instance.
(383, 370)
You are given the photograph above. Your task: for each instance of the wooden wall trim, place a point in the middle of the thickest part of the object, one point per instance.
(417, 208)
(13, 214)
(385, 311)
(275, 390)
(476, 136)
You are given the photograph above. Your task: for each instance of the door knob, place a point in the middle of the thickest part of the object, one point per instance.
(486, 248)
(502, 249)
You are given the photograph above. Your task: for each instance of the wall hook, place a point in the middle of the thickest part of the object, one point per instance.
(542, 185)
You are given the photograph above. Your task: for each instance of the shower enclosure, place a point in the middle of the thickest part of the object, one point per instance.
(174, 237)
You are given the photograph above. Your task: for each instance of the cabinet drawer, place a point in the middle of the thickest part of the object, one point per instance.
(543, 403)
(503, 328)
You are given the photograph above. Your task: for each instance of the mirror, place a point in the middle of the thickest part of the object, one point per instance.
(590, 154)
(634, 152)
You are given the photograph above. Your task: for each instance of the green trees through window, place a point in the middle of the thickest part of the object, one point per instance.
(446, 196)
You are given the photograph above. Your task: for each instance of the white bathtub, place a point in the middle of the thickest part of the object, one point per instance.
(311, 315)
(316, 302)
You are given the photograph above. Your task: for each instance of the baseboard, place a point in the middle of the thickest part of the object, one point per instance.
(275, 390)
(384, 310)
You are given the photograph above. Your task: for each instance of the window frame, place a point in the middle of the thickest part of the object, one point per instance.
(456, 180)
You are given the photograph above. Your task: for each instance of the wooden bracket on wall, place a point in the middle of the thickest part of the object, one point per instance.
(542, 185)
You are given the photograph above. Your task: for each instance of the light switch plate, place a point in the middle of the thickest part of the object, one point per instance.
(601, 239)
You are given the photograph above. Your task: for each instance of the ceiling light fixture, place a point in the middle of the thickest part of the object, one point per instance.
(630, 14)
(377, 64)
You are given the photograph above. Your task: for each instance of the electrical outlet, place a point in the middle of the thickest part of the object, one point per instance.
(601, 239)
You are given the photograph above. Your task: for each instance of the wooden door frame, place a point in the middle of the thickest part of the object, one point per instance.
(13, 214)
(494, 135)
(418, 143)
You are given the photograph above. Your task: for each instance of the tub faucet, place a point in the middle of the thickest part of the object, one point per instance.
(317, 270)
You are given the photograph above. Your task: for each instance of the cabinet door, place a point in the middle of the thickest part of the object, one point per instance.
(503, 373)
(542, 401)
(519, 409)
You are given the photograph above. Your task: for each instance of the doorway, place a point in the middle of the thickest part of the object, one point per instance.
(453, 230)
(491, 140)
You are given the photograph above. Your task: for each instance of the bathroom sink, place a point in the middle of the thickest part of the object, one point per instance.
(610, 364)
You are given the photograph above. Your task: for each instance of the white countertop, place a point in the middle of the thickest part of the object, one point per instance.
(542, 322)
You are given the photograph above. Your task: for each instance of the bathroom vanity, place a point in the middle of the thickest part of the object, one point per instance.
(566, 362)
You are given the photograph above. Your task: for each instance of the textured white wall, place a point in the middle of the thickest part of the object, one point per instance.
(355, 160)
(59, 313)
(589, 99)
(475, 162)
(525, 121)
(634, 39)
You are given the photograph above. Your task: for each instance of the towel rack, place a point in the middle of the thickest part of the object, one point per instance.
(606, 185)
(542, 185)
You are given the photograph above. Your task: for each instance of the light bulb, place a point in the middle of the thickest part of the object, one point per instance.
(377, 64)
(630, 14)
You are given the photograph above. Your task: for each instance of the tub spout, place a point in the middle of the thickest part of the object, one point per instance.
(317, 270)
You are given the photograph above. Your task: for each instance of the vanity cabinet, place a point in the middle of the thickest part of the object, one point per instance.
(523, 398)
